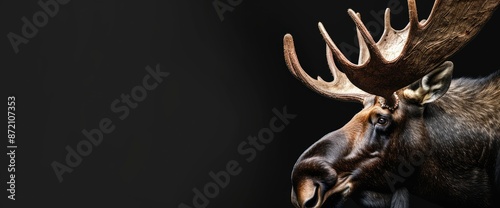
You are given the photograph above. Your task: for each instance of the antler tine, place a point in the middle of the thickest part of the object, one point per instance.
(412, 11)
(340, 88)
(365, 34)
(336, 52)
(364, 53)
(401, 57)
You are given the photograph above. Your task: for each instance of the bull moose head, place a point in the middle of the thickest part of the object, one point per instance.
(419, 132)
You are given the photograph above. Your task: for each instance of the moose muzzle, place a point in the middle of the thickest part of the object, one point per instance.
(314, 178)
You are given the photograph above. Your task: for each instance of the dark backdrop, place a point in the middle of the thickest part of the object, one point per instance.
(225, 78)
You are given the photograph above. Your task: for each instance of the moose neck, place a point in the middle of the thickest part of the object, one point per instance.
(468, 113)
(463, 129)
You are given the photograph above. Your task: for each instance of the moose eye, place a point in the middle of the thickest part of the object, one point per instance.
(382, 121)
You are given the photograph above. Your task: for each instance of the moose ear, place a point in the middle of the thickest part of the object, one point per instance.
(432, 86)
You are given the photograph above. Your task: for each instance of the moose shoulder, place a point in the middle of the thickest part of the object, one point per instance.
(431, 136)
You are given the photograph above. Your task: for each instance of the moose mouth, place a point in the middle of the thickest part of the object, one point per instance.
(332, 197)
(337, 195)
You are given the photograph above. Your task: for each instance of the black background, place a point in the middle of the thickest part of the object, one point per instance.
(225, 79)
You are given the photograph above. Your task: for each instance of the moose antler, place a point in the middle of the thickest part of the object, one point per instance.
(340, 88)
(400, 57)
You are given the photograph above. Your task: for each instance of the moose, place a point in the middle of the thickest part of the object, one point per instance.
(420, 132)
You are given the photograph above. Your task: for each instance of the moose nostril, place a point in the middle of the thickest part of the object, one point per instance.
(310, 179)
(313, 201)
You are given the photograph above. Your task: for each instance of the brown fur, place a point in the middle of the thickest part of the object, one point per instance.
(446, 151)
